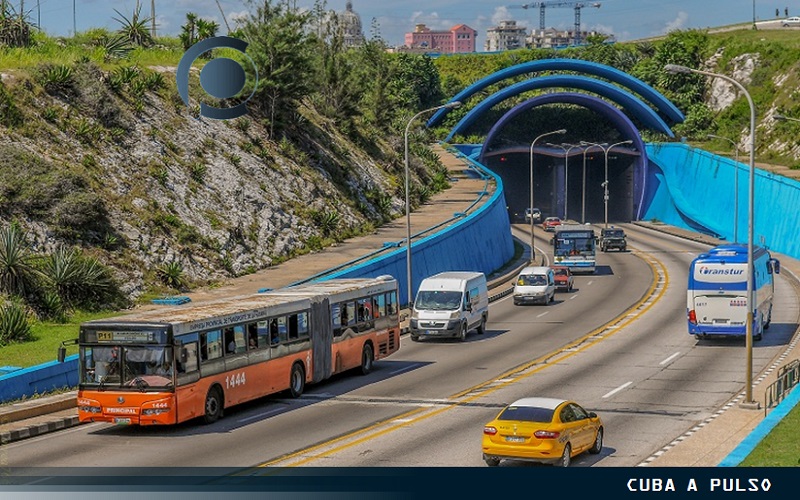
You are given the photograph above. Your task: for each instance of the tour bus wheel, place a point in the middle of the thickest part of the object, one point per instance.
(297, 380)
(367, 358)
(213, 406)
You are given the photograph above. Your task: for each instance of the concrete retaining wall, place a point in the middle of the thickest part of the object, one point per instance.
(39, 379)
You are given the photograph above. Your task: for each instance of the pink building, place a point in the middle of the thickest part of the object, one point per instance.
(458, 39)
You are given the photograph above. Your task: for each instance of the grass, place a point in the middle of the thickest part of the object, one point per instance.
(781, 447)
(47, 339)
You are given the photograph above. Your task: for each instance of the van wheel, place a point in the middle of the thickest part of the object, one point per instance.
(463, 335)
(297, 381)
(415, 338)
(367, 358)
(213, 406)
(482, 326)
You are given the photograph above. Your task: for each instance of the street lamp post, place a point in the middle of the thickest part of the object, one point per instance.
(605, 181)
(735, 185)
(566, 148)
(560, 131)
(450, 105)
(674, 68)
(586, 147)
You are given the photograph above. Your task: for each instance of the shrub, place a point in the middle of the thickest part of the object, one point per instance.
(77, 279)
(171, 274)
(14, 324)
(17, 271)
(10, 116)
(55, 78)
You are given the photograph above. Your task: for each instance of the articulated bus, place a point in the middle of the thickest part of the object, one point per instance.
(574, 246)
(174, 364)
(717, 291)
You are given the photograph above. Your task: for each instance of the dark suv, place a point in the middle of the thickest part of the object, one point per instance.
(612, 238)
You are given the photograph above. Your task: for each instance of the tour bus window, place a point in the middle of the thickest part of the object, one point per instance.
(252, 336)
(188, 360)
(292, 327)
(391, 301)
(379, 305)
(350, 313)
(274, 337)
(262, 329)
(213, 341)
(302, 325)
(230, 341)
(338, 318)
(239, 339)
(364, 306)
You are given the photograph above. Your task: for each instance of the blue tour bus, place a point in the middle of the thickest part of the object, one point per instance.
(574, 246)
(717, 292)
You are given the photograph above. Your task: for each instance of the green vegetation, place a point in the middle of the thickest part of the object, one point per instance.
(781, 447)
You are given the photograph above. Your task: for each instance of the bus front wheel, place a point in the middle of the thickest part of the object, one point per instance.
(213, 406)
(297, 381)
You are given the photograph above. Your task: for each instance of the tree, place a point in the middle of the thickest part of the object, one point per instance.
(281, 49)
(135, 29)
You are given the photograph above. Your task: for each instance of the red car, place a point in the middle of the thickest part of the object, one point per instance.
(551, 223)
(563, 277)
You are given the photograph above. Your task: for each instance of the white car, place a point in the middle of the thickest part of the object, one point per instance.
(536, 213)
(791, 21)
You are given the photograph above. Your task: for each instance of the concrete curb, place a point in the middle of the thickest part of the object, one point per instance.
(38, 429)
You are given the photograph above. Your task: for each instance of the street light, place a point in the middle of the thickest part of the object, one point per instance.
(735, 185)
(587, 146)
(566, 171)
(675, 68)
(560, 131)
(605, 182)
(450, 105)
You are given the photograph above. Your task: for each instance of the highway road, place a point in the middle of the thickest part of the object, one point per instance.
(617, 344)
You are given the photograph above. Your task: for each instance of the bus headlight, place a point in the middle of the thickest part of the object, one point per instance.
(154, 411)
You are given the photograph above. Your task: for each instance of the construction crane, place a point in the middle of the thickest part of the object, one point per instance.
(543, 5)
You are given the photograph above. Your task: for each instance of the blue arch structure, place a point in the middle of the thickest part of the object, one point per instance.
(620, 121)
(627, 100)
(651, 95)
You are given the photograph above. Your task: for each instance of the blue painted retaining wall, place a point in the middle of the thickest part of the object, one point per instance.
(39, 379)
(694, 189)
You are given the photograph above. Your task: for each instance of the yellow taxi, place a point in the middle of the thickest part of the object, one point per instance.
(544, 430)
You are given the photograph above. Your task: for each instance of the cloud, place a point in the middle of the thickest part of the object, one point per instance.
(500, 14)
(678, 23)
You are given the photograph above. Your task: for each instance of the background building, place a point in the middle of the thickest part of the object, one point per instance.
(506, 36)
(352, 34)
(552, 38)
(459, 39)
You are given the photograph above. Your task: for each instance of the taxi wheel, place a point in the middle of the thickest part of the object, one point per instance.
(598, 442)
(297, 381)
(566, 457)
(491, 461)
(366, 359)
(213, 406)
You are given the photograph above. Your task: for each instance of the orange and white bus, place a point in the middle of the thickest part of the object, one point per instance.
(174, 364)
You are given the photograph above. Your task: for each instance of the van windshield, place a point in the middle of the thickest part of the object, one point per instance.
(438, 300)
(531, 280)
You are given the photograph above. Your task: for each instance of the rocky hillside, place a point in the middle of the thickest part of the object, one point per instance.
(113, 162)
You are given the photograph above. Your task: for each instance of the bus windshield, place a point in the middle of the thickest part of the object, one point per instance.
(577, 245)
(438, 300)
(127, 366)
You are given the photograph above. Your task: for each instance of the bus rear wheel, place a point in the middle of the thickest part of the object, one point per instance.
(367, 357)
(297, 381)
(213, 406)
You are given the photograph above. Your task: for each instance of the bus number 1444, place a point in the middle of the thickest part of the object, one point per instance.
(235, 380)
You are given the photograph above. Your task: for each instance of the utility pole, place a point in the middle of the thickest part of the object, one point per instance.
(153, 18)
(74, 20)
(224, 19)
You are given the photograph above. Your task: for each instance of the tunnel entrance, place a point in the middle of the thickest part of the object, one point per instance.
(567, 193)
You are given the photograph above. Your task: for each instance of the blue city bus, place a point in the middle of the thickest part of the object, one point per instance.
(717, 292)
(574, 246)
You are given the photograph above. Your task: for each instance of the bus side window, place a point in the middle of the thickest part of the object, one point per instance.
(391, 301)
(187, 362)
(213, 344)
(228, 338)
(292, 327)
(302, 325)
(262, 329)
(252, 336)
(283, 331)
(379, 305)
(239, 339)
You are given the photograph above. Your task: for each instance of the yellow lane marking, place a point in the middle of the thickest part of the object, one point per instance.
(654, 293)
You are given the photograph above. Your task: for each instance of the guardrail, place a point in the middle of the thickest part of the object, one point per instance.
(788, 377)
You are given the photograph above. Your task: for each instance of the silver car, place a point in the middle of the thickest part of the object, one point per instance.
(791, 21)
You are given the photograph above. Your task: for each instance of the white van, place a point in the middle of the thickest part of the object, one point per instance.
(450, 305)
(535, 284)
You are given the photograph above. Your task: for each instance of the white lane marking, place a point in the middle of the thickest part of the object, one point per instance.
(670, 358)
(589, 283)
(573, 296)
(540, 315)
(401, 370)
(259, 415)
(626, 384)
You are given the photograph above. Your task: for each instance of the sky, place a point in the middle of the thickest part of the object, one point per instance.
(626, 19)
